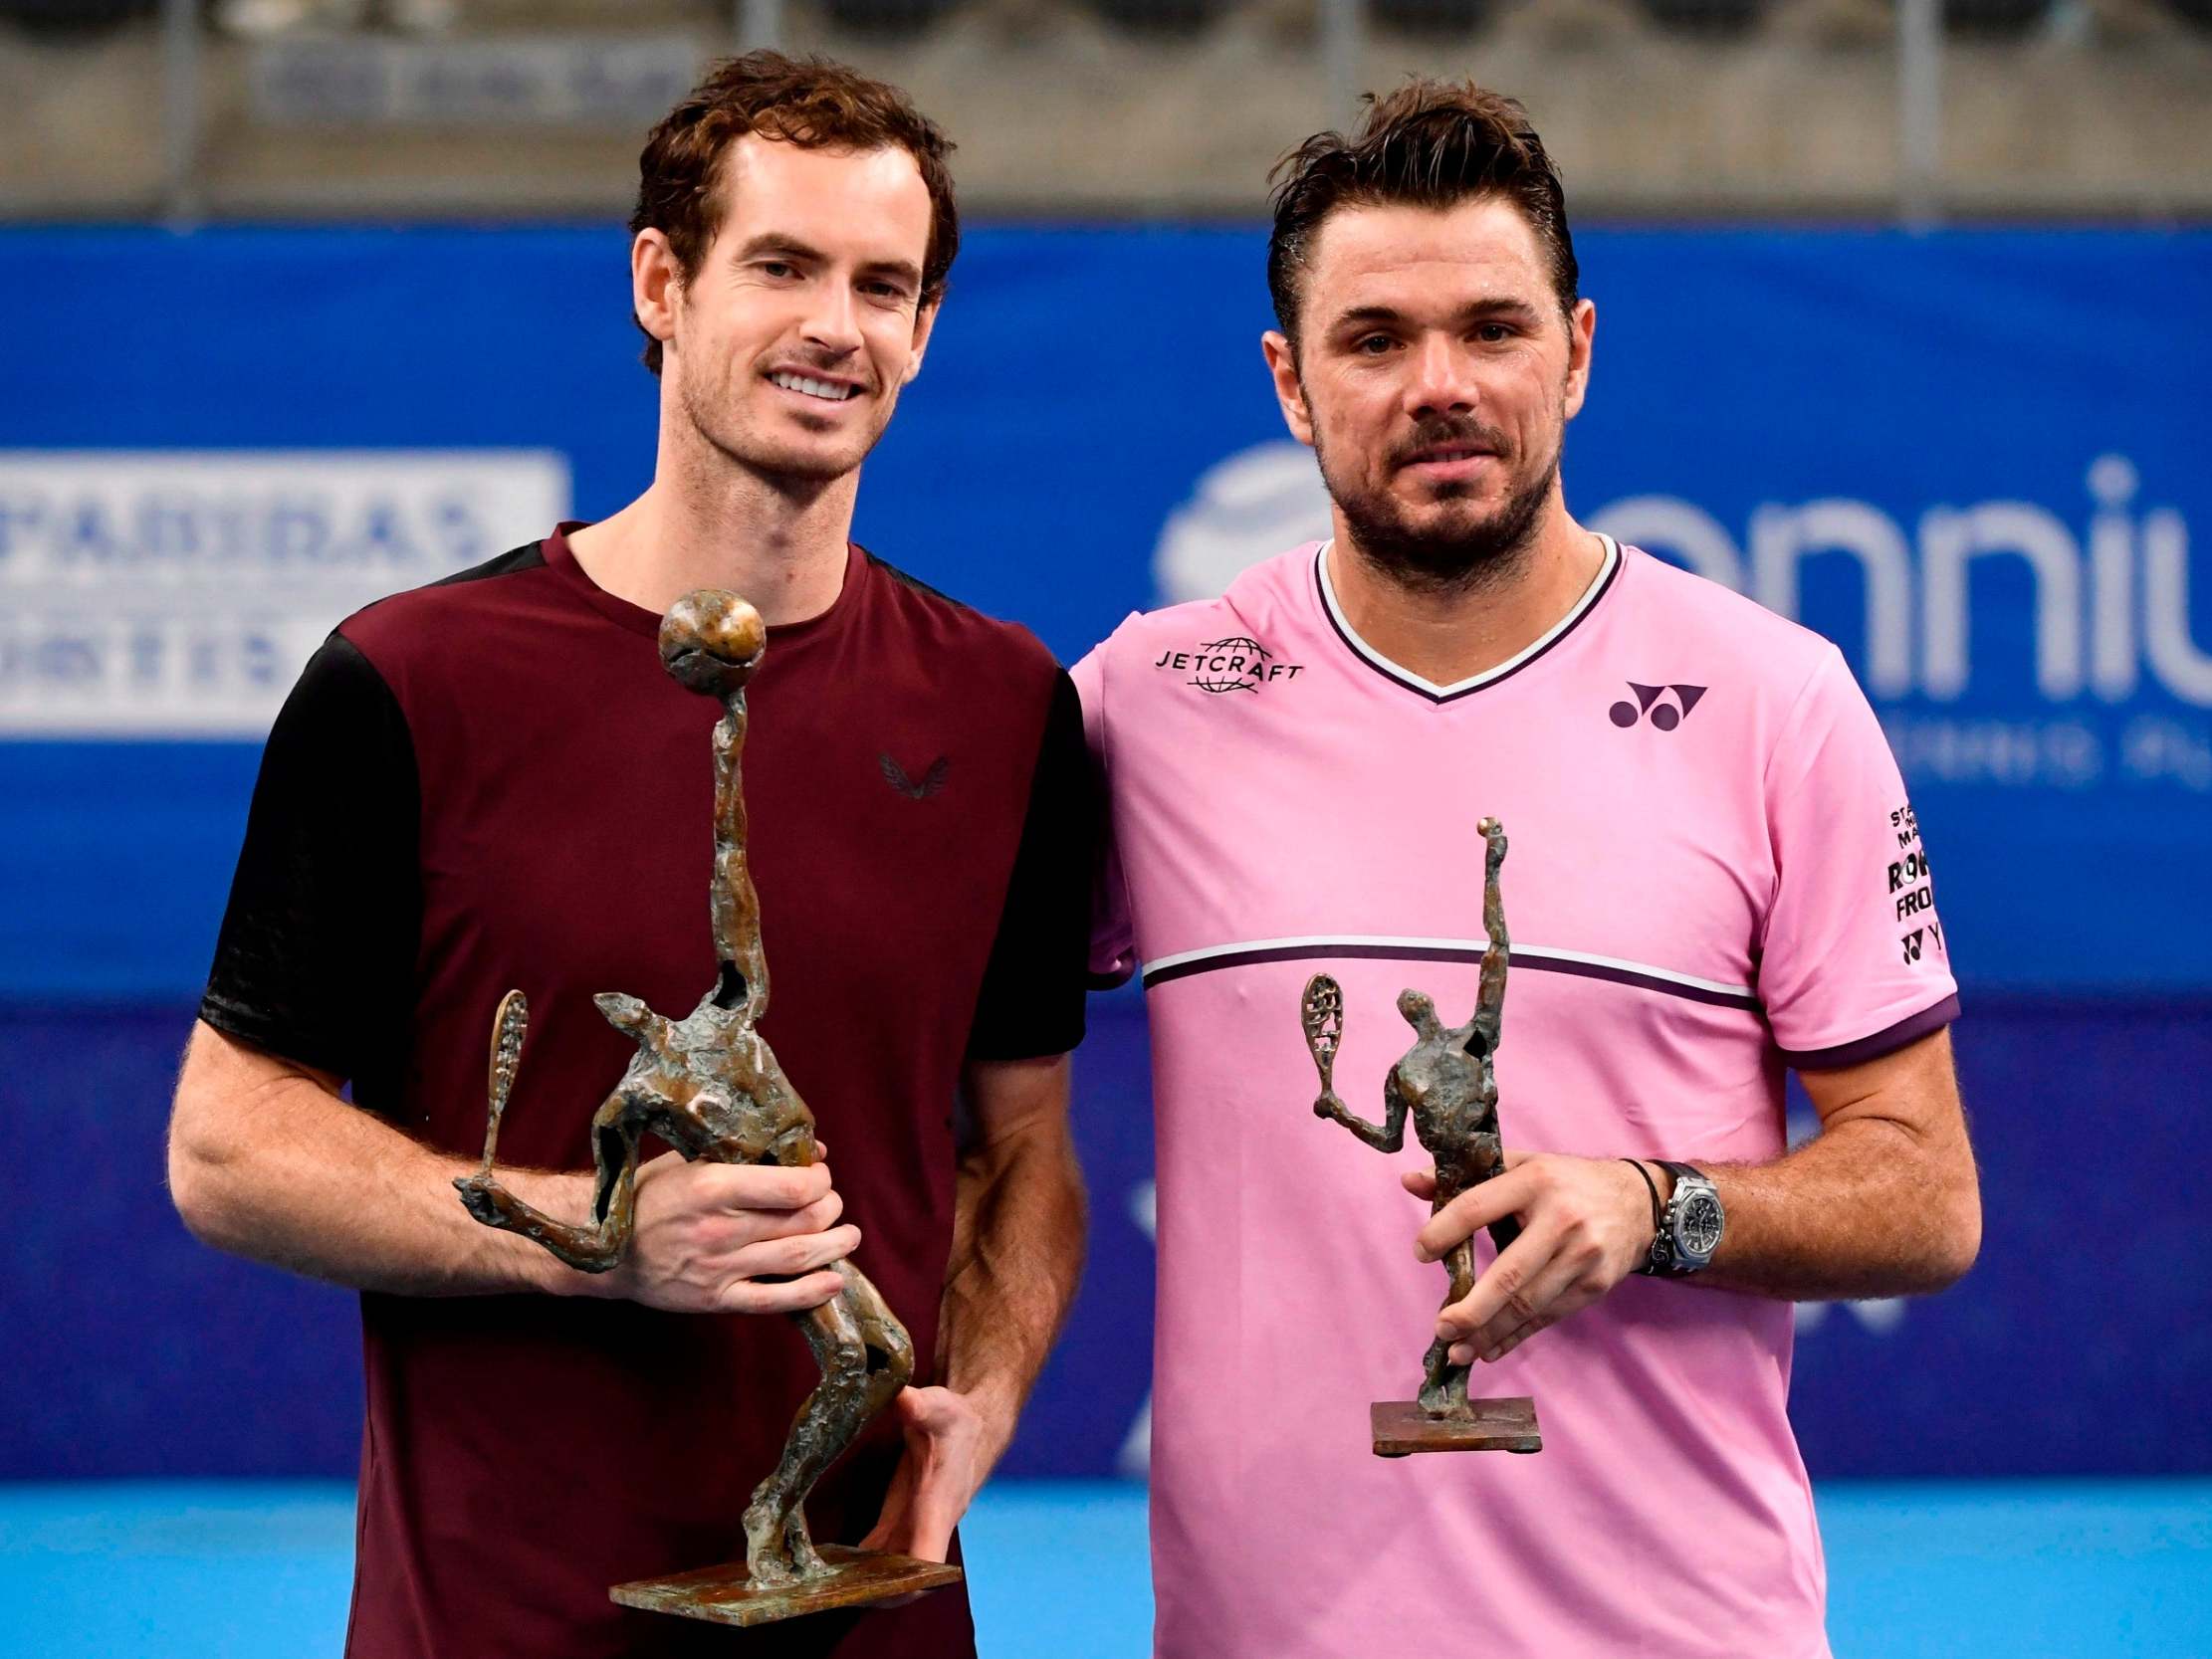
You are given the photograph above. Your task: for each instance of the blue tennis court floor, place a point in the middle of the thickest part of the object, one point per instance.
(2023, 1570)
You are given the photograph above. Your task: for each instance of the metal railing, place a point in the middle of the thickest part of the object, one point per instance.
(1858, 108)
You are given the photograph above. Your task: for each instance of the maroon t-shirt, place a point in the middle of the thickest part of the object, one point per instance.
(492, 783)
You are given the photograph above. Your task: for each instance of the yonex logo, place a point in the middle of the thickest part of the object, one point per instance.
(1237, 664)
(1666, 715)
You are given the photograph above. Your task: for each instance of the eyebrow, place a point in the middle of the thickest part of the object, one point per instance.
(778, 242)
(1493, 305)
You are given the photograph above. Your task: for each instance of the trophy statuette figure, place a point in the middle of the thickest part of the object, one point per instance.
(709, 1086)
(1447, 1084)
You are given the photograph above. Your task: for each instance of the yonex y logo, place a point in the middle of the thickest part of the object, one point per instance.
(1666, 715)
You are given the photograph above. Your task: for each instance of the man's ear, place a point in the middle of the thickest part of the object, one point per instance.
(925, 324)
(1582, 335)
(654, 283)
(1282, 365)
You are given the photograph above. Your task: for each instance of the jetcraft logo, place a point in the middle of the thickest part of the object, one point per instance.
(1237, 664)
(2120, 684)
(180, 592)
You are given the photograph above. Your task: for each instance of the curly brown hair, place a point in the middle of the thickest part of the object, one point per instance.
(814, 103)
(1428, 143)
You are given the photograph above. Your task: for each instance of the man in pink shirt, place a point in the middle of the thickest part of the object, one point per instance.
(1714, 875)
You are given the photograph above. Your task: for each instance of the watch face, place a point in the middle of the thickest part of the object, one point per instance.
(1698, 1225)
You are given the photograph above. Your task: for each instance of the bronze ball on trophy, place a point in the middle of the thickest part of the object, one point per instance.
(711, 641)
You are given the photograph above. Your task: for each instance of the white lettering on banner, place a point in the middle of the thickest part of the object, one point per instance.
(587, 80)
(1255, 502)
(1134, 1458)
(1880, 1315)
(2104, 607)
(2110, 608)
(180, 592)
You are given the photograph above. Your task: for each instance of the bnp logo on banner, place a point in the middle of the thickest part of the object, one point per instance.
(168, 592)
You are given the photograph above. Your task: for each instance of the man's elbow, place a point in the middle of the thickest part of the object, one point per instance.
(209, 1160)
(198, 1172)
(1958, 1234)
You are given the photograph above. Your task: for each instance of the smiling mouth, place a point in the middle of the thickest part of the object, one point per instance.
(828, 391)
(1445, 454)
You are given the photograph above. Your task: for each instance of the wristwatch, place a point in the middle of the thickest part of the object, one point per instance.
(1689, 1227)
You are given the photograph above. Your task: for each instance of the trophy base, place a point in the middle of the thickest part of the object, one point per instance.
(1496, 1425)
(726, 1594)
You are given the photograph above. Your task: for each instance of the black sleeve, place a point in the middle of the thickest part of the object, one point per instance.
(1032, 996)
(317, 957)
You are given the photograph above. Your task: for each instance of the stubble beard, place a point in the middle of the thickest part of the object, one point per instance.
(1453, 553)
(711, 415)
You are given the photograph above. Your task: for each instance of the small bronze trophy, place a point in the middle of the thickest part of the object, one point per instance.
(1448, 1081)
(710, 1088)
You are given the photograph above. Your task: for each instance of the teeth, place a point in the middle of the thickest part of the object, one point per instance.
(812, 388)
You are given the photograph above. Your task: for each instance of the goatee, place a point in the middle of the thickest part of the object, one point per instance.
(1453, 555)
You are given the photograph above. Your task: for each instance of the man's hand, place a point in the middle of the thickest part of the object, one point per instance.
(732, 1238)
(950, 1448)
(1585, 1224)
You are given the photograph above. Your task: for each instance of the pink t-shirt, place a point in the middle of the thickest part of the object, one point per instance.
(1713, 874)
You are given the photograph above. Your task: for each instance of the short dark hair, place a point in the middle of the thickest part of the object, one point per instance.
(1428, 143)
(814, 103)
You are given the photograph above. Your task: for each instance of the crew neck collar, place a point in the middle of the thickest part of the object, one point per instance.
(1602, 581)
(561, 559)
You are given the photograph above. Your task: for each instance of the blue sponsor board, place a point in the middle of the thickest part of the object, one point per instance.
(1974, 459)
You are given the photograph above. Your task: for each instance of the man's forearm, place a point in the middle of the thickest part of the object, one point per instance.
(266, 1161)
(1883, 1201)
(1846, 1215)
(1017, 1253)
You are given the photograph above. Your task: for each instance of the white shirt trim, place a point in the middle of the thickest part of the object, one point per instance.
(1407, 677)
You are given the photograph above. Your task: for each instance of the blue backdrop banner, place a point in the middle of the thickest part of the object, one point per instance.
(1975, 459)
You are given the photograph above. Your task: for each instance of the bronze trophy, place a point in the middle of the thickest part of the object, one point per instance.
(710, 1088)
(1448, 1083)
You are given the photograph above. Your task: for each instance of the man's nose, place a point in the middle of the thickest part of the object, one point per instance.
(832, 319)
(1442, 382)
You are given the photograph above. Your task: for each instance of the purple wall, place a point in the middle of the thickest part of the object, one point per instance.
(2081, 1343)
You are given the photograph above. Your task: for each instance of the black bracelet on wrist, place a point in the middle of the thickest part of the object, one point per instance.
(1658, 1211)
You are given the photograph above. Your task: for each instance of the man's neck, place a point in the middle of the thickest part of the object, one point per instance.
(1449, 635)
(783, 550)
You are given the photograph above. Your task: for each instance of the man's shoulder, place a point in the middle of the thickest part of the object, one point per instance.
(1258, 610)
(942, 623)
(1692, 613)
(406, 625)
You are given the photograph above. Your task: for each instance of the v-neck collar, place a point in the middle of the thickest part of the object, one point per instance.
(1600, 584)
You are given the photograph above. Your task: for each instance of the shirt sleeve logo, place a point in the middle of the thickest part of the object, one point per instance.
(1236, 664)
(1665, 715)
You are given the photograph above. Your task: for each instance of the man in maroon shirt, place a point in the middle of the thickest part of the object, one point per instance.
(491, 783)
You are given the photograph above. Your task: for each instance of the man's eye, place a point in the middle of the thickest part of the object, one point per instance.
(777, 268)
(1374, 345)
(1493, 333)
